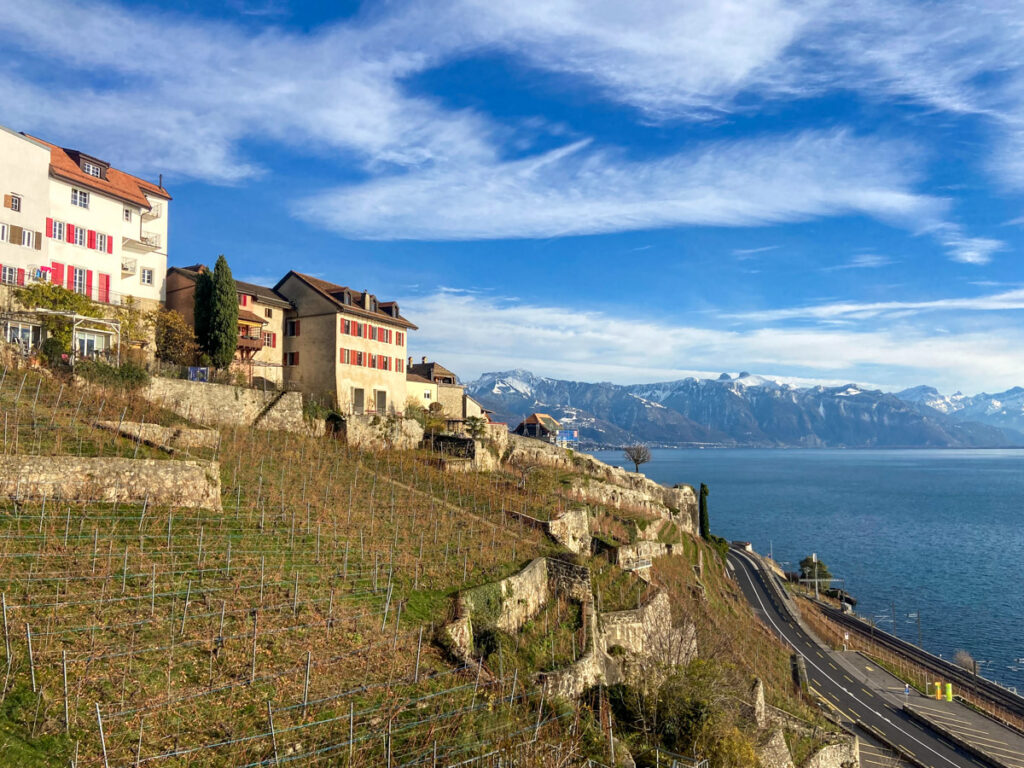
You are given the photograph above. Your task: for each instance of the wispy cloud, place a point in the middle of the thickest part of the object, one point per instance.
(594, 346)
(862, 261)
(578, 190)
(748, 253)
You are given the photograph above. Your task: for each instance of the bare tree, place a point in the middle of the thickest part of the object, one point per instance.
(638, 454)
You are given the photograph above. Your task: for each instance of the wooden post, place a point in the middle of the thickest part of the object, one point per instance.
(351, 730)
(305, 686)
(103, 740)
(64, 669)
(184, 613)
(138, 748)
(419, 647)
(273, 733)
(7, 634)
(31, 662)
(255, 624)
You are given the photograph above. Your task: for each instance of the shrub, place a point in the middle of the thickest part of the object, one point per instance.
(53, 351)
(128, 375)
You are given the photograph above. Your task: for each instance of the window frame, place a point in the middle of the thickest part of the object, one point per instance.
(80, 198)
(128, 215)
(7, 270)
(101, 242)
(16, 203)
(27, 238)
(268, 313)
(3, 233)
(76, 273)
(91, 169)
(59, 230)
(143, 272)
(80, 234)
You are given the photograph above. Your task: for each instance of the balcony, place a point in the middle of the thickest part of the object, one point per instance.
(153, 213)
(147, 242)
(250, 340)
(128, 266)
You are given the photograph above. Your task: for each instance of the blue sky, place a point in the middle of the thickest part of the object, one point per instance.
(599, 190)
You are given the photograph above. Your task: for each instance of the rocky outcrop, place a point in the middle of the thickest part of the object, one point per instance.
(70, 478)
(168, 438)
(773, 752)
(376, 432)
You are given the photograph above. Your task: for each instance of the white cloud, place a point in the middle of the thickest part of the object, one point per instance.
(579, 190)
(862, 261)
(997, 302)
(472, 334)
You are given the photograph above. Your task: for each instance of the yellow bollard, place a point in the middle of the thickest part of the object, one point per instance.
(938, 691)
(949, 691)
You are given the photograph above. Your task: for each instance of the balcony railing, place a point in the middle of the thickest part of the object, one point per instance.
(144, 243)
(153, 213)
(250, 342)
(128, 266)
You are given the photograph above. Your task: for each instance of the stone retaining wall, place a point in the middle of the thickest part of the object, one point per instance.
(167, 438)
(373, 431)
(226, 405)
(188, 483)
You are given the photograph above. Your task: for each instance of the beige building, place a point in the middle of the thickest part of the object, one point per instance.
(261, 319)
(344, 347)
(429, 382)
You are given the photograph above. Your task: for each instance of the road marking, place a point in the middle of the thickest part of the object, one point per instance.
(785, 639)
(833, 666)
(848, 677)
(869, 693)
(820, 654)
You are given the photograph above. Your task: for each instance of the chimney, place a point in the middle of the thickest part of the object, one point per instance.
(410, 361)
(424, 359)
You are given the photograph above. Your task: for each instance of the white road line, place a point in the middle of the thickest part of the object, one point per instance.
(809, 661)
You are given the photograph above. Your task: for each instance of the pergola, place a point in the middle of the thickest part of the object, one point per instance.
(77, 322)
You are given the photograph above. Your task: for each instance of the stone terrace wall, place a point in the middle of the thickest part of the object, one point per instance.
(372, 431)
(178, 483)
(607, 484)
(168, 438)
(508, 603)
(227, 405)
(649, 629)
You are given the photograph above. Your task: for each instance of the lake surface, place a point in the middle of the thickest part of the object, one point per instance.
(937, 533)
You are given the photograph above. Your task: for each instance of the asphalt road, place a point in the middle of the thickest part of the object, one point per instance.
(837, 684)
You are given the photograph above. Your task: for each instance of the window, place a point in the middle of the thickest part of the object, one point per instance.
(26, 237)
(146, 276)
(359, 358)
(400, 339)
(270, 339)
(79, 236)
(23, 334)
(80, 198)
(101, 242)
(127, 214)
(92, 169)
(291, 328)
(426, 394)
(373, 361)
(8, 275)
(78, 281)
(15, 203)
(3, 233)
(291, 358)
(268, 312)
(399, 365)
(87, 344)
(58, 230)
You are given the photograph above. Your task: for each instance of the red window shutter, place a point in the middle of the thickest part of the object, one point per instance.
(90, 239)
(21, 276)
(88, 283)
(273, 340)
(69, 233)
(341, 355)
(296, 333)
(104, 293)
(71, 279)
(56, 273)
(49, 226)
(110, 243)
(295, 358)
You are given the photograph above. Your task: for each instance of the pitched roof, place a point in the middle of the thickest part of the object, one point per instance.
(263, 294)
(546, 421)
(431, 370)
(251, 317)
(65, 164)
(335, 293)
(417, 378)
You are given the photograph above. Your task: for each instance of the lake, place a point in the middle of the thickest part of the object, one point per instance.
(935, 534)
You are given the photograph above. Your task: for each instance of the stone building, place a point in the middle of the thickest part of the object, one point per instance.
(261, 317)
(344, 347)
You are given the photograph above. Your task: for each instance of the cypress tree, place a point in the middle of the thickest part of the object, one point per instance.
(201, 309)
(223, 334)
(705, 523)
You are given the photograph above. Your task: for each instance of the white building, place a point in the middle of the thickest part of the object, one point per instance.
(82, 224)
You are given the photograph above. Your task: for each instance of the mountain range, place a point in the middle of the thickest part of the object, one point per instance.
(748, 410)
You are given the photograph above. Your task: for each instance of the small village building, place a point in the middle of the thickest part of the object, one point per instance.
(72, 219)
(261, 319)
(344, 347)
(540, 426)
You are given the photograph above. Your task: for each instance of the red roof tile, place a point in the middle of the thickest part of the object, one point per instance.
(64, 164)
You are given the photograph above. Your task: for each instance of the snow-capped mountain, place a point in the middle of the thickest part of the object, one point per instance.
(751, 410)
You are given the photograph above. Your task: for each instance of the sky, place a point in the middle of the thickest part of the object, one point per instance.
(587, 189)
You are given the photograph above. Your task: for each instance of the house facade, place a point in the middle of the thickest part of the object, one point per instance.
(82, 224)
(344, 347)
(261, 319)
